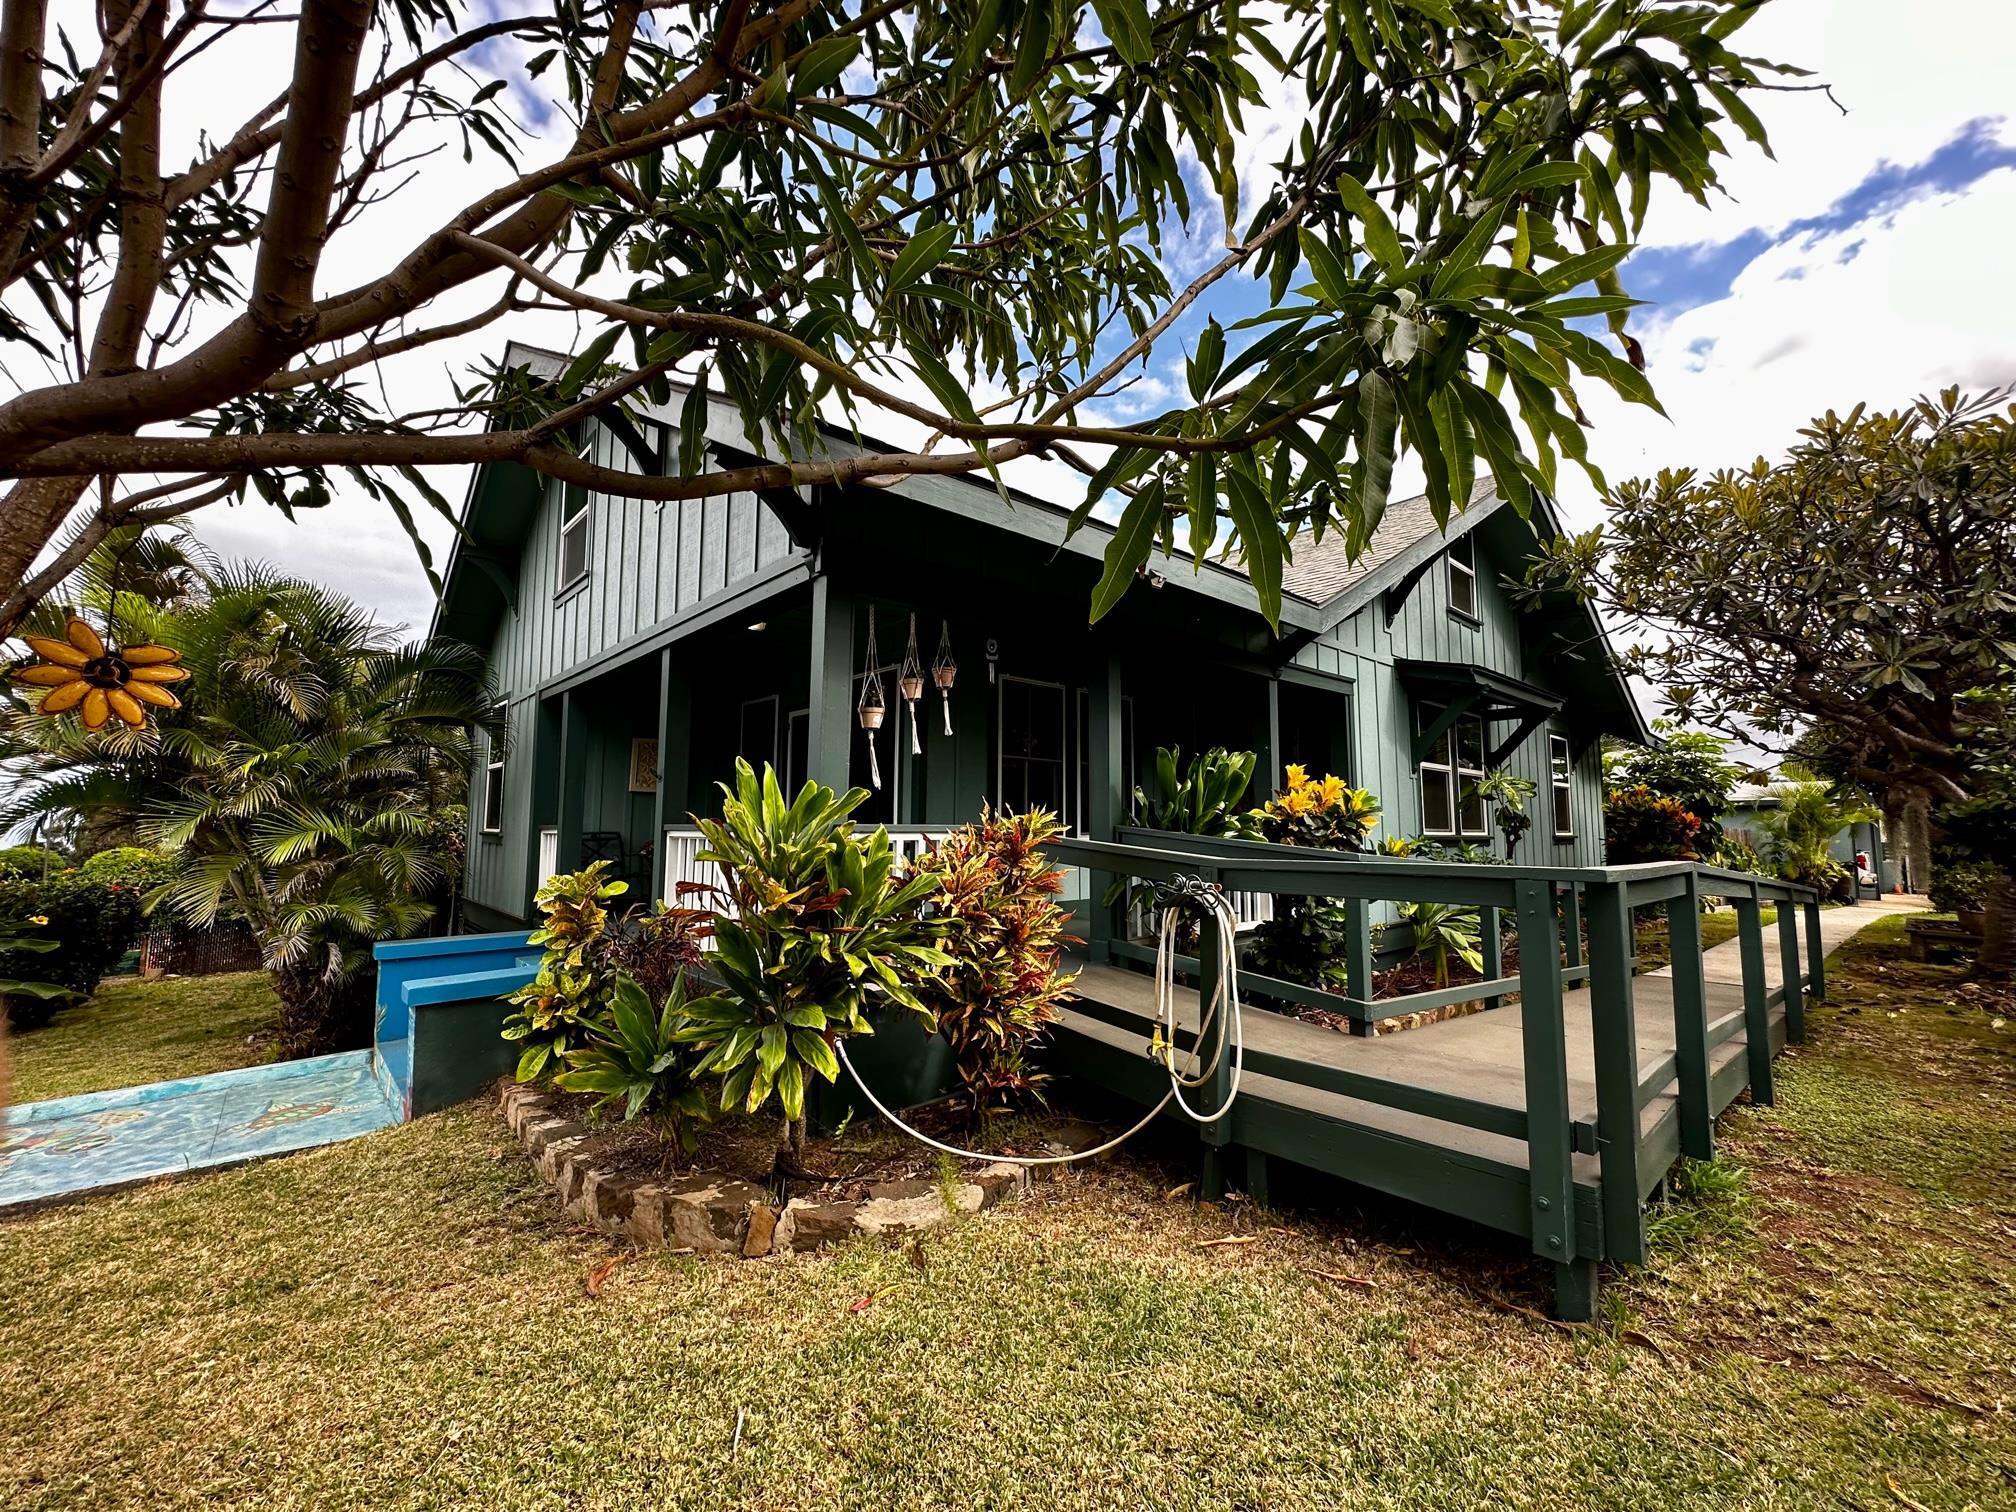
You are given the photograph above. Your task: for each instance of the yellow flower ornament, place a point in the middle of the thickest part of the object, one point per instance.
(98, 683)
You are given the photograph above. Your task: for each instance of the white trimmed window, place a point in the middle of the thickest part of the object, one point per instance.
(1462, 558)
(573, 535)
(1561, 775)
(1450, 803)
(493, 777)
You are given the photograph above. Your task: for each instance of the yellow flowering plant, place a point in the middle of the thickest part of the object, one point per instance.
(1325, 813)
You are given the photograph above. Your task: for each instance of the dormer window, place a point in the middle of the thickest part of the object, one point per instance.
(1462, 559)
(573, 536)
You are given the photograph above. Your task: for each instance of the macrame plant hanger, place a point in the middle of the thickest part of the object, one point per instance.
(910, 682)
(872, 705)
(945, 671)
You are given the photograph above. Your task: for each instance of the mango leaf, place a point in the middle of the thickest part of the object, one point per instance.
(1140, 522)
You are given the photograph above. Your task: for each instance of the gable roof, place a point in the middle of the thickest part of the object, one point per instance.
(1324, 569)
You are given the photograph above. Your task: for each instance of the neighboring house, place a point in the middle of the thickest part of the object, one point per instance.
(1750, 802)
(639, 648)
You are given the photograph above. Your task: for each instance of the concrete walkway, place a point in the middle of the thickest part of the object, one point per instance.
(1724, 962)
(97, 1140)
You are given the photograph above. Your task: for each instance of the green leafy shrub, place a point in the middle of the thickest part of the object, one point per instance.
(1641, 825)
(552, 1012)
(998, 895)
(822, 936)
(1737, 854)
(1443, 932)
(138, 866)
(1690, 766)
(1961, 883)
(93, 923)
(635, 1057)
(19, 940)
(30, 860)
(655, 945)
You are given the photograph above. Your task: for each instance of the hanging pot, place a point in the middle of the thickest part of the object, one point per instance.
(871, 716)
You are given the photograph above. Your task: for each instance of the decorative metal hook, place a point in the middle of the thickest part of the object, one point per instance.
(1190, 891)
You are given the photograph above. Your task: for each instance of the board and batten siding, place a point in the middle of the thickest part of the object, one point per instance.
(647, 562)
(1364, 648)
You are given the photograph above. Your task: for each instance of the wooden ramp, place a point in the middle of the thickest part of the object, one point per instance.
(1400, 1146)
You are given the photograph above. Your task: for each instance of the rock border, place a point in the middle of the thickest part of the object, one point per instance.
(711, 1214)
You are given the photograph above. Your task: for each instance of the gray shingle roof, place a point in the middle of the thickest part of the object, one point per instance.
(1323, 569)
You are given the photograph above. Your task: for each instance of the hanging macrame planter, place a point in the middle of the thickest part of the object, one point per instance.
(945, 672)
(98, 682)
(910, 680)
(872, 705)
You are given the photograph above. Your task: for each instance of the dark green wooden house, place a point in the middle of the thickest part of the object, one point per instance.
(639, 648)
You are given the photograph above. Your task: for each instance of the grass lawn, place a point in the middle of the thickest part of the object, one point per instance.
(135, 1031)
(405, 1321)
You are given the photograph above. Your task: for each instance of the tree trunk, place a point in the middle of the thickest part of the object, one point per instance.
(1907, 827)
(318, 1017)
(1998, 938)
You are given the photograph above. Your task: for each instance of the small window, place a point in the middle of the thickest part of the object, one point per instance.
(493, 777)
(1463, 576)
(1561, 772)
(573, 535)
(1033, 757)
(1450, 772)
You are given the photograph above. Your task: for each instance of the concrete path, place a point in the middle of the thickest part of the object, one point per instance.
(73, 1145)
(1724, 962)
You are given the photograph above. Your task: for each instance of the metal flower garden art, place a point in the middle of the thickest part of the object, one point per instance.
(98, 682)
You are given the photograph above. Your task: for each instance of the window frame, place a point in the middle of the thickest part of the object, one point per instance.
(1561, 784)
(1064, 761)
(493, 775)
(1463, 567)
(571, 520)
(1453, 772)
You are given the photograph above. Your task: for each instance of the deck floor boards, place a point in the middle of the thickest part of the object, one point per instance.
(1480, 1056)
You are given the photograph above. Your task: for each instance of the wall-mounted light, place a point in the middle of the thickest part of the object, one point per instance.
(760, 625)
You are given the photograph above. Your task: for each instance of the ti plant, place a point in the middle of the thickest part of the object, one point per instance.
(821, 935)
(636, 1058)
(998, 892)
(553, 1010)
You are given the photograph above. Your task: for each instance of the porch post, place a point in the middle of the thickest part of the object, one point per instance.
(1690, 1023)
(1106, 792)
(1550, 1161)
(829, 732)
(1756, 998)
(543, 755)
(573, 771)
(1816, 958)
(1788, 959)
(1267, 770)
(675, 756)
(1616, 1032)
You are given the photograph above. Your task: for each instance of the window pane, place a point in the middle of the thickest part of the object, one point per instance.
(1473, 810)
(574, 550)
(1438, 753)
(493, 798)
(1564, 812)
(1470, 743)
(1557, 750)
(1438, 810)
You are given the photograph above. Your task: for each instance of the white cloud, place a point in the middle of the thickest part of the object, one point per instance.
(1903, 303)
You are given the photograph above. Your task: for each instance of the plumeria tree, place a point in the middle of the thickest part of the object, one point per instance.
(951, 212)
(1853, 607)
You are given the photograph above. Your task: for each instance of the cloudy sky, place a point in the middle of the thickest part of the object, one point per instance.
(1869, 261)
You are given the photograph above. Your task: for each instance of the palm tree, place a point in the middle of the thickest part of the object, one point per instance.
(1803, 826)
(309, 787)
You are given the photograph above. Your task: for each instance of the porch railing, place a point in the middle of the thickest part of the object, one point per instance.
(681, 844)
(1543, 900)
(549, 851)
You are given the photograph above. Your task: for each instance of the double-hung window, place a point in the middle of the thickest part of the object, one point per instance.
(493, 776)
(1561, 773)
(574, 514)
(1462, 559)
(1451, 806)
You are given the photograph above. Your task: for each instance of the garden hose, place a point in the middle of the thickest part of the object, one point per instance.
(1225, 1000)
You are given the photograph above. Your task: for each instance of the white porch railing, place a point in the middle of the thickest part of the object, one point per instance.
(1248, 908)
(682, 844)
(549, 852)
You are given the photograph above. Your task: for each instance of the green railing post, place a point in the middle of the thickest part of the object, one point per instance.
(1616, 1033)
(1690, 1023)
(1217, 1134)
(1491, 937)
(1788, 963)
(1550, 1153)
(1358, 959)
(1816, 957)
(1756, 1007)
